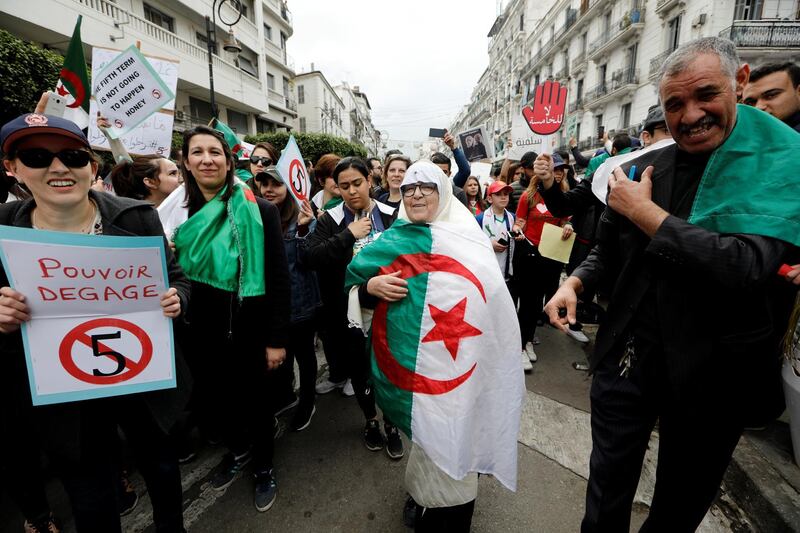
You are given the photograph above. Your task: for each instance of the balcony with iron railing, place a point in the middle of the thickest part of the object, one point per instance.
(280, 9)
(656, 62)
(579, 63)
(663, 6)
(575, 105)
(623, 83)
(224, 70)
(598, 91)
(764, 34)
(628, 26)
(539, 57)
(563, 32)
(592, 7)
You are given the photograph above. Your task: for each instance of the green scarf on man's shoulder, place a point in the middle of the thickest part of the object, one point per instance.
(751, 184)
(222, 245)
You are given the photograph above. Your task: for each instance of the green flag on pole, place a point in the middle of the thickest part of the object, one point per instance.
(235, 144)
(73, 81)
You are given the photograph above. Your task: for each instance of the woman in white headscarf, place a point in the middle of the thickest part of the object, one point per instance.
(438, 501)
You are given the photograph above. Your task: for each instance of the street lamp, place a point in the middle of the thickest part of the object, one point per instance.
(229, 45)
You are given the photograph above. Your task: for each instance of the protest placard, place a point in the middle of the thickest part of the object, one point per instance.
(524, 140)
(97, 328)
(292, 169)
(553, 246)
(154, 135)
(128, 90)
(572, 126)
(546, 114)
(476, 144)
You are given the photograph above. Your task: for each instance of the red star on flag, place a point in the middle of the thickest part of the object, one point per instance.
(450, 327)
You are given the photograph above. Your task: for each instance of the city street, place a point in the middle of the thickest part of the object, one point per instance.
(328, 480)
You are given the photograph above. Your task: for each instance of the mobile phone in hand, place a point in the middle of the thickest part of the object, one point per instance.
(436, 132)
(56, 104)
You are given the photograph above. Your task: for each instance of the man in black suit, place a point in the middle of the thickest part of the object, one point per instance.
(692, 334)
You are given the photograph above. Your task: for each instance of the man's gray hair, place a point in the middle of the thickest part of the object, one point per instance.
(723, 48)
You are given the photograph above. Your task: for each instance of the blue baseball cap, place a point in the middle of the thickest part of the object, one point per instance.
(558, 162)
(33, 123)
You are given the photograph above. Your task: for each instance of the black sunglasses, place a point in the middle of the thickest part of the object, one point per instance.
(41, 158)
(266, 161)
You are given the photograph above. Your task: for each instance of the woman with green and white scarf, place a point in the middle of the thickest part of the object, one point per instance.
(231, 248)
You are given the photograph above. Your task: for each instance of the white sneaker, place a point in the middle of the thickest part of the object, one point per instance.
(324, 387)
(347, 390)
(578, 335)
(530, 353)
(526, 362)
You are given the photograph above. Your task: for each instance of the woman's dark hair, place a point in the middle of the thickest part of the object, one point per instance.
(194, 196)
(324, 167)
(351, 162)
(128, 177)
(287, 210)
(273, 153)
(512, 169)
(478, 199)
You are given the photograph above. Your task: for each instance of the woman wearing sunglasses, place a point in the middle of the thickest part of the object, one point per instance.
(262, 156)
(52, 157)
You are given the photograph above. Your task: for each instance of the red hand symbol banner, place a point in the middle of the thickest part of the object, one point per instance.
(549, 103)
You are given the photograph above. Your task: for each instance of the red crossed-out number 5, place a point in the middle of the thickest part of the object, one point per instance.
(549, 103)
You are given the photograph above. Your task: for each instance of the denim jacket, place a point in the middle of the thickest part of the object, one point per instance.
(305, 289)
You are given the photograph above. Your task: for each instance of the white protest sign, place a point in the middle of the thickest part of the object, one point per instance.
(572, 126)
(524, 140)
(96, 328)
(128, 90)
(154, 135)
(292, 169)
(482, 171)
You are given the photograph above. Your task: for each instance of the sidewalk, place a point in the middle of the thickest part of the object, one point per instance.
(764, 479)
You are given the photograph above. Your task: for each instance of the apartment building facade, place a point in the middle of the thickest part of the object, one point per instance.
(319, 107)
(254, 91)
(358, 120)
(609, 52)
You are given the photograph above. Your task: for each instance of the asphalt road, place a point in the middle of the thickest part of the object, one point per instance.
(329, 482)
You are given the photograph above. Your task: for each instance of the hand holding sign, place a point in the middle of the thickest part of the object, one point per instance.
(543, 168)
(549, 103)
(13, 310)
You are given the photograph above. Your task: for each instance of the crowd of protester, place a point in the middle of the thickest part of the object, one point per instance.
(236, 346)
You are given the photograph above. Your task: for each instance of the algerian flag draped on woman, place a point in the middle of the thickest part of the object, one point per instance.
(445, 361)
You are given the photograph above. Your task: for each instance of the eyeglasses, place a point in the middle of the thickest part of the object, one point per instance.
(426, 189)
(41, 158)
(265, 161)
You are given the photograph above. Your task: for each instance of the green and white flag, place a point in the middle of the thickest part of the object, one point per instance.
(237, 146)
(73, 80)
(445, 359)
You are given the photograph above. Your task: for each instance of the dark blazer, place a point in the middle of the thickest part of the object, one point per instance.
(720, 332)
(329, 249)
(122, 217)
